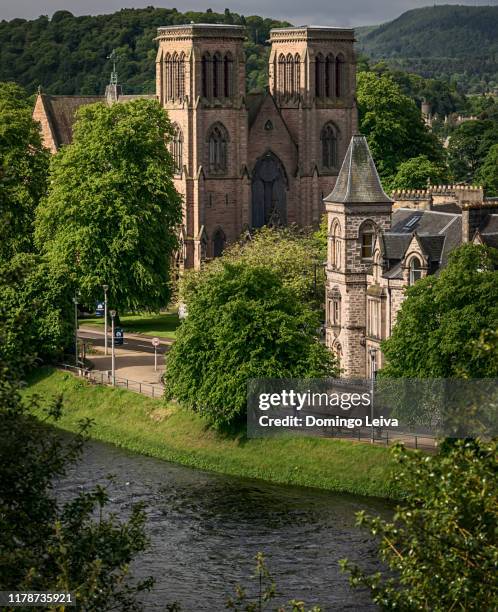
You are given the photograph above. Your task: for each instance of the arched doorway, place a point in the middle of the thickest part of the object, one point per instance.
(269, 198)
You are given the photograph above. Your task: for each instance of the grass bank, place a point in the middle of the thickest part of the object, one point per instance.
(162, 325)
(153, 428)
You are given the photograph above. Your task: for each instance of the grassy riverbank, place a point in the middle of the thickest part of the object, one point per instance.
(152, 428)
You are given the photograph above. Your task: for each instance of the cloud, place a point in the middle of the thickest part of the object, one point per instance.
(323, 12)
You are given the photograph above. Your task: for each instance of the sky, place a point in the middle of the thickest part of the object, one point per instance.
(298, 12)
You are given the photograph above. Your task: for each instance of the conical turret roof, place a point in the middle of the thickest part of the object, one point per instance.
(358, 180)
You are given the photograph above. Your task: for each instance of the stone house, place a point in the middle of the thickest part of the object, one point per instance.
(377, 246)
(242, 159)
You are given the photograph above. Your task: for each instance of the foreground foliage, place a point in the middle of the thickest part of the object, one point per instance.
(242, 323)
(23, 170)
(48, 546)
(440, 323)
(441, 547)
(266, 591)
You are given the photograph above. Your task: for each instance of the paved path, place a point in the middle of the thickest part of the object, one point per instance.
(134, 359)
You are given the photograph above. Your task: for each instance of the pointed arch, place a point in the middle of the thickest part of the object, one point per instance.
(340, 76)
(219, 241)
(328, 138)
(217, 139)
(217, 75)
(366, 235)
(181, 75)
(206, 75)
(281, 74)
(319, 76)
(228, 74)
(297, 74)
(174, 75)
(167, 76)
(334, 255)
(176, 148)
(289, 75)
(329, 75)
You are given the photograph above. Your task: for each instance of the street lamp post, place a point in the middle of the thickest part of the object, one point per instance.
(373, 353)
(105, 288)
(75, 301)
(113, 358)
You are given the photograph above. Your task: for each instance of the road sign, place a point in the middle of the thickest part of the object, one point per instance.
(156, 342)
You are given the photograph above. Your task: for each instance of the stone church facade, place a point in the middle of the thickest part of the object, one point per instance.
(378, 246)
(243, 160)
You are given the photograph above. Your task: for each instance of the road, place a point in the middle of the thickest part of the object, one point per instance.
(130, 344)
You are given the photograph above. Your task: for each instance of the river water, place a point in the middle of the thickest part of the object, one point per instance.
(205, 530)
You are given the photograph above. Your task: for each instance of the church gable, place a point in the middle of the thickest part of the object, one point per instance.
(269, 132)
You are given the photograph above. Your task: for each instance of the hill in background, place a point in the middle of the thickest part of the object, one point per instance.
(68, 54)
(459, 43)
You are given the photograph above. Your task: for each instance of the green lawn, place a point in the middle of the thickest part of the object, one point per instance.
(152, 427)
(161, 325)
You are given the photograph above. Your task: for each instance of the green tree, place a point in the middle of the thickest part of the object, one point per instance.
(468, 147)
(443, 316)
(392, 124)
(111, 210)
(49, 546)
(295, 255)
(23, 170)
(242, 323)
(417, 172)
(35, 309)
(487, 174)
(441, 548)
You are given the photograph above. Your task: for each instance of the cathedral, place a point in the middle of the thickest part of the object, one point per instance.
(242, 159)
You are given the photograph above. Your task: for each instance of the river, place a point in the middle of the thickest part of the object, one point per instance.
(205, 530)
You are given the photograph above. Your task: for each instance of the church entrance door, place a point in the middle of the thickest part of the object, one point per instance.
(269, 192)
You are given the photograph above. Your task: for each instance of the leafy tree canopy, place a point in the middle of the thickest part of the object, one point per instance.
(111, 210)
(295, 255)
(242, 323)
(35, 309)
(418, 172)
(440, 549)
(23, 170)
(487, 174)
(468, 147)
(443, 317)
(392, 124)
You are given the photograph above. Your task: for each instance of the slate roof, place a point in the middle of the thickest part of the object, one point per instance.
(254, 101)
(394, 245)
(358, 180)
(490, 225)
(61, 111)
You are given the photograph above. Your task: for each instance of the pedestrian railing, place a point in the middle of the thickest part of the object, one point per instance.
(99, 377)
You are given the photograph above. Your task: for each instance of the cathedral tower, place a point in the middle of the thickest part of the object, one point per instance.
(357, 209)
(312, 74)
(200, 81)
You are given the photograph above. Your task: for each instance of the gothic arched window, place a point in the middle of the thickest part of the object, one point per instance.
(174, 76)
(319, 76)
(335, 246)
(206, 76)
(340, 76)
(281, 74)
(167, 77)
(217, 145)
(218, 243)
(289, 75)
(181, 76)
(329, 75)
(415, 270)
(176, 148)
(329, 147)
(228, 75)
(297, 74)
(217, 75)
(367, 237)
